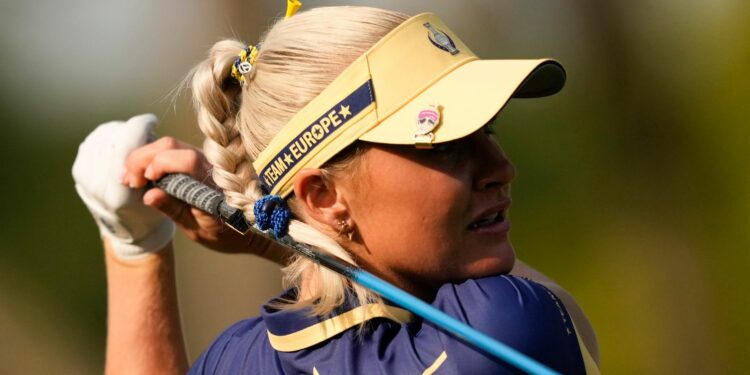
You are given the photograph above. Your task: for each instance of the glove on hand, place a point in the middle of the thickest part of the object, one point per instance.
(133, 228)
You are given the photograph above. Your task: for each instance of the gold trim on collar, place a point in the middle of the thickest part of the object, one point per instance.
(328, 328)
(588, 361)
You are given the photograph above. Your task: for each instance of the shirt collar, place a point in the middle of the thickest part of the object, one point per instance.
(292, 330)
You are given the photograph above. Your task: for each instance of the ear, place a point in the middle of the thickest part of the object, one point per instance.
(320, 197)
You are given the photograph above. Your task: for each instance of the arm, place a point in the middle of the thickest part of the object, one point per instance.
(143, 324)
(144, 334)
(584, 327)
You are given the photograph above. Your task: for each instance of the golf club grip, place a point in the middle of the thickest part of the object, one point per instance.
(192, 192)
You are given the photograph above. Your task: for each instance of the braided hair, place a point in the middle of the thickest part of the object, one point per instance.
(299, 57)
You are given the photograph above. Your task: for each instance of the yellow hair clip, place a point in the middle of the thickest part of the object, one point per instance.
(243, 64)
(291, 7)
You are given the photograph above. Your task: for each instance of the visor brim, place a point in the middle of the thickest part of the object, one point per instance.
(469, 97)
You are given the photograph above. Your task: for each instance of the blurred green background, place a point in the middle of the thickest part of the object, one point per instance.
(633, 189)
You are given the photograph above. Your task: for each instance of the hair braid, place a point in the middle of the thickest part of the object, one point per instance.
(216, 102)
(299, 57)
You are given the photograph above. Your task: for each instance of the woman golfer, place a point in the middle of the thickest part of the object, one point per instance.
(366, 134)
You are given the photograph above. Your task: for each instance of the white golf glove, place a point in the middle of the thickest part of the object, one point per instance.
(133, 228)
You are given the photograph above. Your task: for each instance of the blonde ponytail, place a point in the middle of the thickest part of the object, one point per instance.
(298, 58)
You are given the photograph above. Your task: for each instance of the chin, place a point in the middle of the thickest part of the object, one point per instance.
(499, 262)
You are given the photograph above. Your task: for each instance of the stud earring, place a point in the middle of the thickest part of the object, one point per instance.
(345, 229)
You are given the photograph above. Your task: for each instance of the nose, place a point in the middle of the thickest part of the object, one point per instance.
(492, 169)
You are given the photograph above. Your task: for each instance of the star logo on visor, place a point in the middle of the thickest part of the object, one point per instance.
(344, 111)
(317, 132)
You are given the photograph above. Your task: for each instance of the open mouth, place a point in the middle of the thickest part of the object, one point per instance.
(489, 220)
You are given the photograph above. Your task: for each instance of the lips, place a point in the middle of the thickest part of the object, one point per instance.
(488, 221)
(491, 215)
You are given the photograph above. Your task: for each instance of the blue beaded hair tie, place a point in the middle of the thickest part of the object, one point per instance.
(272, 212)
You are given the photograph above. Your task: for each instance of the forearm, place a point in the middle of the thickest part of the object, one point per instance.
(143, 325)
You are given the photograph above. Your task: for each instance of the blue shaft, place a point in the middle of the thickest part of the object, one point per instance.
(449, 323)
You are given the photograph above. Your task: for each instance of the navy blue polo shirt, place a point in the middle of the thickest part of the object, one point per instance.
(518, 312)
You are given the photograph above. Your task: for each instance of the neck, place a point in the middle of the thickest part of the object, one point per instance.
(309, 288)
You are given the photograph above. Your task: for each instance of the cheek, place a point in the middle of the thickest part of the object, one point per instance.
(414, 219)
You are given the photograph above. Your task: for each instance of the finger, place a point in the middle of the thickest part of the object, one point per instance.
(154, 197)
(173, 208)
(186, 161)
(192, 220)
(139, 159)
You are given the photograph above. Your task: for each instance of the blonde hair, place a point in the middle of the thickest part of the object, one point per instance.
(298, 58)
